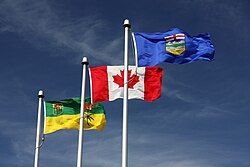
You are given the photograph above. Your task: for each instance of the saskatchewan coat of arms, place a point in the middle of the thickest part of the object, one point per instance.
(175, 44)
(57, 108)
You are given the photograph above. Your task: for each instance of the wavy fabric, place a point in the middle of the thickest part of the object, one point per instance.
(65, 114)
(174, 46)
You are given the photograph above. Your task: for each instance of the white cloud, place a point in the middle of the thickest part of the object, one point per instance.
(203, 107)
(36, 20)
(20, 135)
(104, 148)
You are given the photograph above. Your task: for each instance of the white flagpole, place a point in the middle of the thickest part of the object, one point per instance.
(81, 129)
(38, 128)
(126, 26)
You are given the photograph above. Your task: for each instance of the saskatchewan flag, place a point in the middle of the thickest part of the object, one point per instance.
(65, 114)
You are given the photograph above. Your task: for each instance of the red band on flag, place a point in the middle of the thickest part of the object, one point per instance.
(152, 83)
(175, 37)
(99, 78)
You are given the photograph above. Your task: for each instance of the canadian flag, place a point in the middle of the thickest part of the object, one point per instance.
(107, 83)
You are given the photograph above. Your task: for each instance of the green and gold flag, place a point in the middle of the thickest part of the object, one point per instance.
(65, 114)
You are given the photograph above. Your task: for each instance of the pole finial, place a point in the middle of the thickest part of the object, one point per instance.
(40, 94)
(126, 23)
(85, 61)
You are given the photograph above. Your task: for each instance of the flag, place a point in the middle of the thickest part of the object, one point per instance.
(173, 46)
(65, 114)
(143, 83)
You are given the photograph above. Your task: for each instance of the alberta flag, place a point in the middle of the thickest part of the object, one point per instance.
(143, 83)
(173, 46)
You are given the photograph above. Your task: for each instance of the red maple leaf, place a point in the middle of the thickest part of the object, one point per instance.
(132, 80)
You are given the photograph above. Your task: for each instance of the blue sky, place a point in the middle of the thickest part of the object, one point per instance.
(202, 118)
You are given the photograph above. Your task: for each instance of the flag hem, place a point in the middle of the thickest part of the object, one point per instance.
(44, 113)
(135, 50)
(90, 82)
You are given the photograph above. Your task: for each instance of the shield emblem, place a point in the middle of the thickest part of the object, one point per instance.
(175, 44)
(58, 108)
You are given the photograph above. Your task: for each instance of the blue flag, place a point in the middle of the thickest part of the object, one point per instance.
(173, 46)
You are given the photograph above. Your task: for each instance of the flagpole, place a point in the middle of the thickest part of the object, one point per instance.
(38, 128)
(126, 26)
(80, 137)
